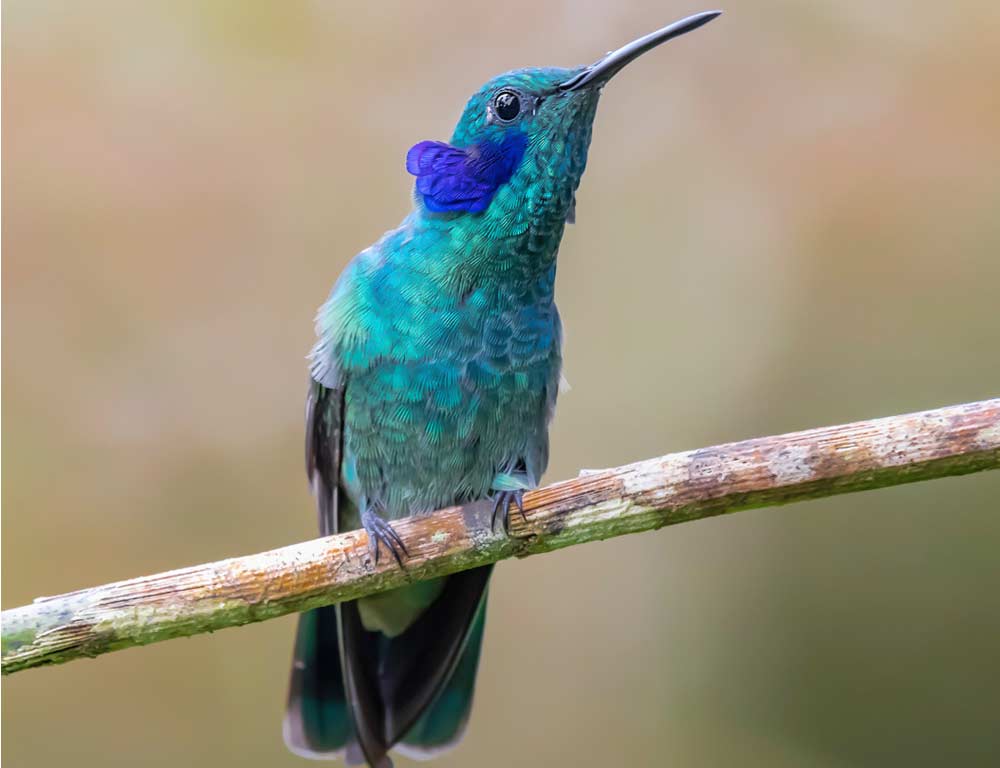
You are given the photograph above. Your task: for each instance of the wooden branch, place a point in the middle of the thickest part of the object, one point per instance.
(638, 497)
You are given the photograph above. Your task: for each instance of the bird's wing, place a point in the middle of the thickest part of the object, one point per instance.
(333, 702)
(324, 449)
(353, 696)
(317, 722)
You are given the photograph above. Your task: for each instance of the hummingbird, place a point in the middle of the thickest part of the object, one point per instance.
(433, 381)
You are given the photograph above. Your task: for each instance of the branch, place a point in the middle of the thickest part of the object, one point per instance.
(597, 505)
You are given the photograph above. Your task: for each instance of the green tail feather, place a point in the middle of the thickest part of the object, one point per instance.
(317, 723)
(441, 727)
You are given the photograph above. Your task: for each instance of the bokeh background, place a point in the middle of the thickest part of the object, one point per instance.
(791, 218)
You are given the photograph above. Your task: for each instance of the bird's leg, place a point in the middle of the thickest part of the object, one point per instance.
(508, 487)
(381, 532)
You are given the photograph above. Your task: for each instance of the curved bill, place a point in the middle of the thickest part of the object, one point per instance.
(604, 69)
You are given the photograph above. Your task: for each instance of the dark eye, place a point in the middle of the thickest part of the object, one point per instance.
(507, 105)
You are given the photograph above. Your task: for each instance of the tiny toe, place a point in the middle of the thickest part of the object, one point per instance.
(387, 538)
(395, 554)
(384, 533)
(396, 538)
(519, 500)
(506, 513)
(496, 507)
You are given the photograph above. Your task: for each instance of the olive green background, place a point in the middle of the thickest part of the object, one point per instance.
(791, 219)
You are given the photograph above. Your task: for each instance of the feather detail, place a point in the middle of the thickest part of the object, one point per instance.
(465, 179)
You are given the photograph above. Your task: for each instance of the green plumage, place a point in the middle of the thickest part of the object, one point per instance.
(436, 374)
(444, 722)
(447, 332)
(434, 379)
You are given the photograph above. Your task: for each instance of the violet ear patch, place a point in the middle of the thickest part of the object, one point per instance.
(464, 178)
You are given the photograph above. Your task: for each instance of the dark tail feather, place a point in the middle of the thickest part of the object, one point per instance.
(442, 726)
(317, 723)
(360, 663)
(392, 682)
(357, 693)
(417, 665)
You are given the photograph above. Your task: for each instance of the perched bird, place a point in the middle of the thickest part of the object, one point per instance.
(434, 378)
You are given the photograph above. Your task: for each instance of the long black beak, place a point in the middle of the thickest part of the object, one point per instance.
(602, 70)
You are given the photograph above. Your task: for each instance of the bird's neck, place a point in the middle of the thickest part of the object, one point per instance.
(515, 241)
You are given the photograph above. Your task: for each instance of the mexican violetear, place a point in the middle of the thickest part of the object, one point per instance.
(434, 378)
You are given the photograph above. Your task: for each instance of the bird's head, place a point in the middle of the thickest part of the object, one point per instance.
(527, 125)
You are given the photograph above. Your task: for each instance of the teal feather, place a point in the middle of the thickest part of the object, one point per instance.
(434, 378)
(453, 315)
(317, 723)
(443, 724)
(436, 373)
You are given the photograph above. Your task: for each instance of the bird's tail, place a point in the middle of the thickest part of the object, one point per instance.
(442, 726)
(317, 723)
(412, 692)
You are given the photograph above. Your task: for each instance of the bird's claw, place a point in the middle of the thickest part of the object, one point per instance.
(381, 532)
(501, 506)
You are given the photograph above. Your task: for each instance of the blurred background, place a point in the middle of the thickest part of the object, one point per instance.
(790, 219)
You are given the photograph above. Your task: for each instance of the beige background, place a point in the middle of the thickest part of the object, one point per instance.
(791, 218)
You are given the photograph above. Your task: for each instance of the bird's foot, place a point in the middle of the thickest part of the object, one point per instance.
(501, 506)
(381, 532)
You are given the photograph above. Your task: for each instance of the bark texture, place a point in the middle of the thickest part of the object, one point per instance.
(638, 497)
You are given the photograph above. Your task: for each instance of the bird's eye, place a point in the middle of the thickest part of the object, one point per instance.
(506, 105)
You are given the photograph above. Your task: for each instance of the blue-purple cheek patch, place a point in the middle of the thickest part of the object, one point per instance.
(464, 178)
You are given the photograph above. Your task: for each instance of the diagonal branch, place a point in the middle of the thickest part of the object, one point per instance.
(638, 497)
